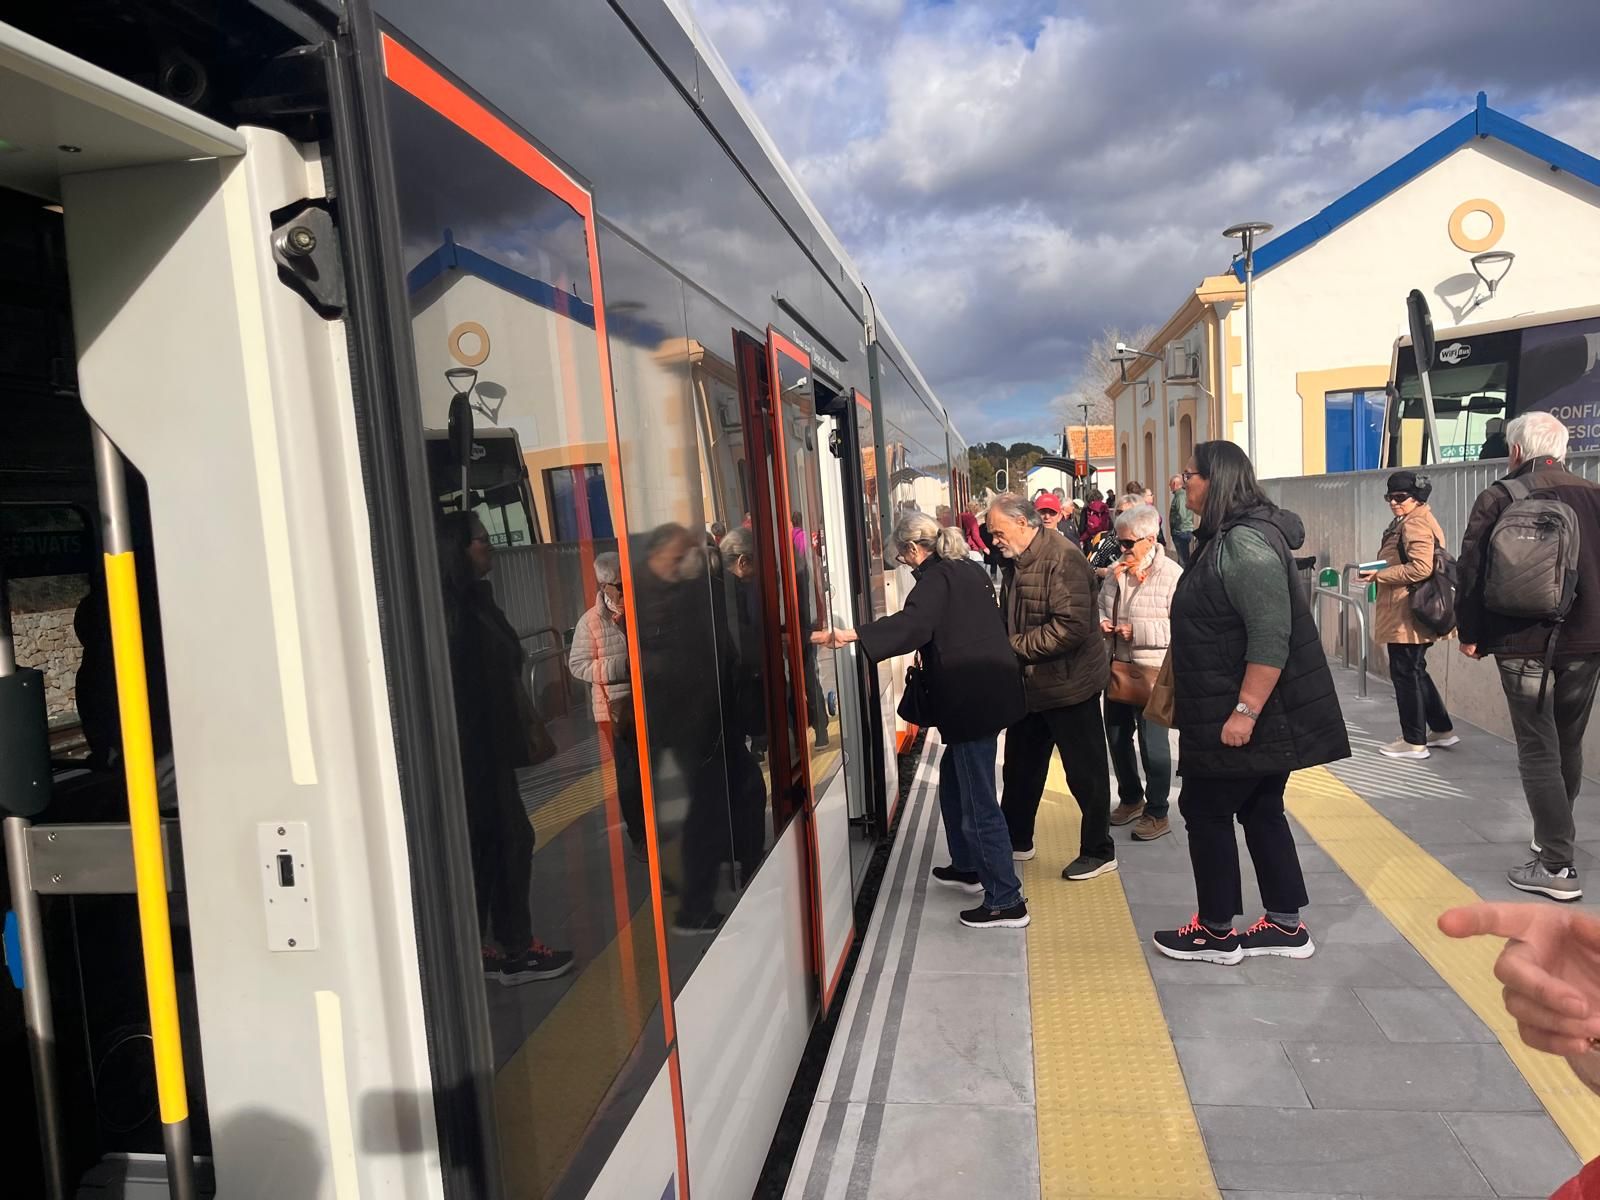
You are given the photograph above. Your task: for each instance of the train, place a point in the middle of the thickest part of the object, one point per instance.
(430, 436)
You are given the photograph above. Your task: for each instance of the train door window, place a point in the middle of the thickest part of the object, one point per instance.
(498, 239)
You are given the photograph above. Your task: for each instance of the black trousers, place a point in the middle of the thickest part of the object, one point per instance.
(501, 839)
(1421, 706)
(1078, 732)
(1209, 806)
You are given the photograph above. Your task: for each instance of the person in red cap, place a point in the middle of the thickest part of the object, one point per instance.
(1049, 509)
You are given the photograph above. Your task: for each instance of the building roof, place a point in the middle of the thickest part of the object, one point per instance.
(1481, 122)
(1102, 441)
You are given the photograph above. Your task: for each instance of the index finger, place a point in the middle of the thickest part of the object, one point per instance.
(1496, 919)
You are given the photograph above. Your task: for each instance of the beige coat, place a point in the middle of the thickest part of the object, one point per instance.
(1146, 606)
(1393, 623)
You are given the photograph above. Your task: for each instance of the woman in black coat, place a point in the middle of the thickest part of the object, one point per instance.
(973, 691)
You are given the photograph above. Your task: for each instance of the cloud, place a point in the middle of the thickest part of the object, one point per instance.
(1015, 176)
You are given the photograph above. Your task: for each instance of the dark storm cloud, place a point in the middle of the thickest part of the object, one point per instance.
(1013, 177)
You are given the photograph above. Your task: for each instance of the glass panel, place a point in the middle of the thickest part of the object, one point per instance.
(802, 440)
(1471, 380)
(543, 686)
(1559, 373)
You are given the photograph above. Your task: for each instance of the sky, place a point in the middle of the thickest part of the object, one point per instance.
(1012, 177)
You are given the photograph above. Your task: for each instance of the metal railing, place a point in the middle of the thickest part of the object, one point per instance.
(1348, 603)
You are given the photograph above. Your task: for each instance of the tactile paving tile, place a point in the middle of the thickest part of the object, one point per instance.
(1115, 1122)
(1411, 888)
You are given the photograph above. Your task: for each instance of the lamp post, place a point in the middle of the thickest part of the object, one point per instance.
(1083, 487)
(1247, 232)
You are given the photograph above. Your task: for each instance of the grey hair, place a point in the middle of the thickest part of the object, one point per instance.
(946, 541)
(1129, 500)
(1141, 521)
(1015, 507)
(1538, 435)
(739, 543)
(607, 567)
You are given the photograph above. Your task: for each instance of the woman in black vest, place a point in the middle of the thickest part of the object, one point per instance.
(974, 690)
(1254, 702)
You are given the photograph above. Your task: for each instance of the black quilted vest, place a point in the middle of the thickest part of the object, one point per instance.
(1302, 724)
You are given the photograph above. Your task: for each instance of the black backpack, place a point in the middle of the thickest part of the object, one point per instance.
(1531, 563)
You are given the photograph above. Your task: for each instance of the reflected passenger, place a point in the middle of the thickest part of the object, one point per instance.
(499, 732)
(974, 690)
(599, 657)
(744, 705)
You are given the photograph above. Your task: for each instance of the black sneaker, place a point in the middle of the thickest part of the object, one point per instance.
(537, 962)
(1194, 941)
(966, 881)
(1015, 917)
(688, 924)
(1269, 938)
(1085, 867)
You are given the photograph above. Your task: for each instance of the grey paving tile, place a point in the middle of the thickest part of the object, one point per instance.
(1520, 1154)
(1268, 1014)
(1385, 964)
(1167, 970)
(1381, 1154)
(1223, 1071)
(1423, 1015)
(982, 1151)
(1358, 924)
(964, 1039)
(948, 946)
(1507, 830)
(1412, 1078)
(1469, 858)
(1426, 831)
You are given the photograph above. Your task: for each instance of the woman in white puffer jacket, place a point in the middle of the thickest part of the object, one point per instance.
(599, 657)
(1136, 617)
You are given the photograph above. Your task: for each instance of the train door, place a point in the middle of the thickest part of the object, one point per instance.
(814, 773)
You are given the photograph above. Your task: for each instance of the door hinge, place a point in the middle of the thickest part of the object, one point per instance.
(305, 246)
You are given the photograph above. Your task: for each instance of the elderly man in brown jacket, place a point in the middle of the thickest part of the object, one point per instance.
(1047, 597)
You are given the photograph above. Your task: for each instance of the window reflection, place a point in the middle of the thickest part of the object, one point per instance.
(502, 313)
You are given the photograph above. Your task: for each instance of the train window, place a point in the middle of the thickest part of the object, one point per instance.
(496, 245)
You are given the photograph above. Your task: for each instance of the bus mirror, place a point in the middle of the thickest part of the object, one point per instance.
(460, 431)
(1421, 321)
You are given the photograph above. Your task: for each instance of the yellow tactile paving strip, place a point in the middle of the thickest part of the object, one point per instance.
(1115, 1122)
(1411, 888)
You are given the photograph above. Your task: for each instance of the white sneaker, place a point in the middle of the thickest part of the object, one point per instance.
(1023, 855)
(1403, 749)
(1443, 741)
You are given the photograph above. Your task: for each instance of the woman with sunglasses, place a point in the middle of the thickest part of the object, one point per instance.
(1254, 701)
(973, 690)
(1136, 616)
(1408, 547)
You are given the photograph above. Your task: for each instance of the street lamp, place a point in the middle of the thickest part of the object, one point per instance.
(1491, 267)
(1083, 488)
(1247, 232)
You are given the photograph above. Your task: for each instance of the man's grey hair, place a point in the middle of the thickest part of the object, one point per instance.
(1016, 508)
(1141, 521)
(607, 567)
(1538, 435)
(740, 542)
(1129, 500)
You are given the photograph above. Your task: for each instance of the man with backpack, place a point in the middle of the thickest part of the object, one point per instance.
(1529, 599)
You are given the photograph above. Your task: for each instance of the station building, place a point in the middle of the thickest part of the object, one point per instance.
(1330, 299)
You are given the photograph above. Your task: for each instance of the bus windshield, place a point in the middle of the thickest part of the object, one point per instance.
(1482, 381)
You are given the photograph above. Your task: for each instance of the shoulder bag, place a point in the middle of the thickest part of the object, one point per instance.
(1130, 683)
(916, 704)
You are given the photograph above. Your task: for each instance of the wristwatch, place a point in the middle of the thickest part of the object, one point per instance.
(1244, 710)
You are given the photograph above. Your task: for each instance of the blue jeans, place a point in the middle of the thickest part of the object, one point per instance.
(1182, 542)
(974, 826)
(1121, 722)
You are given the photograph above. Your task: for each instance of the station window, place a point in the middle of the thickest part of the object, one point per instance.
(1354, 426)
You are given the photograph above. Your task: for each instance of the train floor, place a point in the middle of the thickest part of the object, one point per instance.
(1071, 1060)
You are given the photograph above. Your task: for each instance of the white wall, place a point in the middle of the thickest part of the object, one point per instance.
(1341, 301)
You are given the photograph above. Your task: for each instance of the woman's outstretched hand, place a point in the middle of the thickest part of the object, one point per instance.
(1551, 971)
(833, 638)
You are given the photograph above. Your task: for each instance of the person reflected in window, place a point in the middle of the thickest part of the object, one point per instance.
(810, 616)
(744, 703)
(679, 662)
(499, 732)
(599, 657)
(1494, 441)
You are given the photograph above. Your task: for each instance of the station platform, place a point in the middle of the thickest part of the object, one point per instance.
(1070, 1060)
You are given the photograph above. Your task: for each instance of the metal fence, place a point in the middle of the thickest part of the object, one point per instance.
(1345, 517)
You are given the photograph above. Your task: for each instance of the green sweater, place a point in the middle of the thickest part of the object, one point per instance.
(1179, 518)
(1258, 588)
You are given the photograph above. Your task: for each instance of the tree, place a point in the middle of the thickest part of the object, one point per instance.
(982, 473)
(1096, 373)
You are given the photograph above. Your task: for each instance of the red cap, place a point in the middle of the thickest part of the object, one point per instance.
(1047, 503)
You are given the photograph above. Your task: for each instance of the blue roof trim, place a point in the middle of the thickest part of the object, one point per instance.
(1482, 122)
(451, 256)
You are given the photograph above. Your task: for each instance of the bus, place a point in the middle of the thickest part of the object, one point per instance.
(390, 812)
(1485, 375)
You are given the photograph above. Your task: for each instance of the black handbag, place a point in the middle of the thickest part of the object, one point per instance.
(916, 704)
(1433, 601)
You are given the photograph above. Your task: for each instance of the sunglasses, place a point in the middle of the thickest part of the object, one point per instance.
(1398, 497)
(1129, 543)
